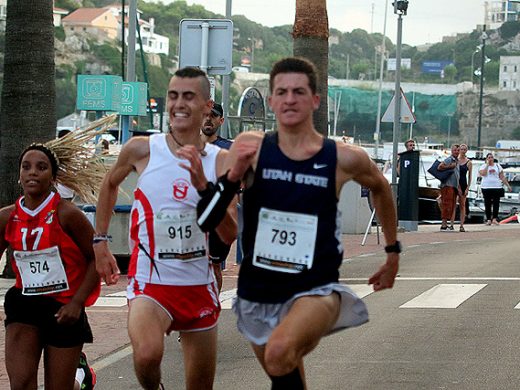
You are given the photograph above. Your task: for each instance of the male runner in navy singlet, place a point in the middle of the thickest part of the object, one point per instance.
(291, 237)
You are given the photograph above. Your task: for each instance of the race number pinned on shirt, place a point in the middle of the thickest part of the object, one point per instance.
(285, 241)
(177, 235)
(42, 271)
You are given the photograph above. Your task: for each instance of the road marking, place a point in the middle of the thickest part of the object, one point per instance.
(361, 290)
(434, 278)
(110, 301)
(112, 358)
(226, 298)
(444, 296)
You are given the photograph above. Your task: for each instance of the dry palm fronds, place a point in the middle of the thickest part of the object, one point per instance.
(79, 168)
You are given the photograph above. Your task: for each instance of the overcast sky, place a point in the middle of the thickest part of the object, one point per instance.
(427, 20)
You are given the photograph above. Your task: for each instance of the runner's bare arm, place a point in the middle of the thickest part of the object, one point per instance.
(77, 226)
(133, 157)
(227, 229)
(355, 164)
(4, 218)
(243, 155)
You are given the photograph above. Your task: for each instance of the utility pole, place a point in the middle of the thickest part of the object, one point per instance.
(377, 135)
(224, 129)
(400, 8)
(481, 94)
(130, 68)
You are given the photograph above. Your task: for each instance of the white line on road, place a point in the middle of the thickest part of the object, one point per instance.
(112, 358)
(444, 296)
(419, 278)
(361, 290)
(226, 298)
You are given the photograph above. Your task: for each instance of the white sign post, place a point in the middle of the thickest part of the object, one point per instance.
(213, 38)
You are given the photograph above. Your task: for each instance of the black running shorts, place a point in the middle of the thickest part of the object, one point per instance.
(39, 311)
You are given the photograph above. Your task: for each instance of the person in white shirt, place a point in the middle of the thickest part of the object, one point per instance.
(492, 188)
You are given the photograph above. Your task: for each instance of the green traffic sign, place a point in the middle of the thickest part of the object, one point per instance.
(99, 93)
(133, 99)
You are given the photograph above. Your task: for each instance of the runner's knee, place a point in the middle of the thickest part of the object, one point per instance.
(280, 356)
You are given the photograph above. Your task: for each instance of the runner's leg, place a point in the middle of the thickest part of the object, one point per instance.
(60, 366)
(147, 324)
(200, 355)
(22, 355)
(290, 341)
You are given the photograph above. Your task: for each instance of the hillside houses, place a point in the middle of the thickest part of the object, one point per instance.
(103, 24)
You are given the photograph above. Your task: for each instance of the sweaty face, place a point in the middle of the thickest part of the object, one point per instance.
(292, 99)
(211, 123)
(35, 173)
(186, 104)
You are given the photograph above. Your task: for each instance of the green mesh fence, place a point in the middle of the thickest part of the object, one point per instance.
(428, 108)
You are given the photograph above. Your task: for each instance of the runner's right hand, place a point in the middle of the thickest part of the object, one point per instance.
(106, 264)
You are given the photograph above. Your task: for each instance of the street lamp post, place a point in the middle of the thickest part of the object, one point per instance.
(377, 135)
(224, 131)
(400, 9)
(482, 74)
(472, 62)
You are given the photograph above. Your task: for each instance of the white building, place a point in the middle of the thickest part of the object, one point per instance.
(509, 74)
(152, 42)
(501, 11)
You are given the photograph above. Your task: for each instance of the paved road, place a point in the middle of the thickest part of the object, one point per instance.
(449, 323)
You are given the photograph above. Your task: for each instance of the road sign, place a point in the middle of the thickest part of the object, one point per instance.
(207, 44)
(407, 115)
(133, 99)
(99, 93)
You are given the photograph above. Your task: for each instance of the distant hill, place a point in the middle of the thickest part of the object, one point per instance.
(262, 46)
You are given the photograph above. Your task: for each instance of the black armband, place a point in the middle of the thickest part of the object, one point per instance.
(208, 191)
(212, 207)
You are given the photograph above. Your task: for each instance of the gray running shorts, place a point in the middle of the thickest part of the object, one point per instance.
(256, 321)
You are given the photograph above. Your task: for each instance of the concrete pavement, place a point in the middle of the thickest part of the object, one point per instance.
(108, 318)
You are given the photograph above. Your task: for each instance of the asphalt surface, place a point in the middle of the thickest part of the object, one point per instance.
(450, 322)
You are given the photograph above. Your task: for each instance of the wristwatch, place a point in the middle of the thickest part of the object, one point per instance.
(394, 248)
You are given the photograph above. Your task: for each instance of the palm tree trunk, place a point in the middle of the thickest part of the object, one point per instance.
(311, 40)
(28, 111)
(28, 95)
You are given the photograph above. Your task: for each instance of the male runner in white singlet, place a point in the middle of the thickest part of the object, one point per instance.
(171, 281)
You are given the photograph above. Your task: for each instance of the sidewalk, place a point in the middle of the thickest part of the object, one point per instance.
(109, 323)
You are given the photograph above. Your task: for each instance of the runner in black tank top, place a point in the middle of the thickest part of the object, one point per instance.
(307, 187)
(288, 295)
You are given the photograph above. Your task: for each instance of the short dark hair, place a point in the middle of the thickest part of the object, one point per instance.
(192, 73)
(295, 65)
(45, 150)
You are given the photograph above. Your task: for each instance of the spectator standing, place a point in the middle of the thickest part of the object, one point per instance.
(218, 251)
(465, 171)
(493, 179)
(450, 187)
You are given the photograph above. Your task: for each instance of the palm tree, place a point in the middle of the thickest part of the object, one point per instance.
(311, 40)
(28, 112)
(28, 95)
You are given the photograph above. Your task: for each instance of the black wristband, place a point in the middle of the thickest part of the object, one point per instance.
(212, 207)
(209, 190)
(395, 248)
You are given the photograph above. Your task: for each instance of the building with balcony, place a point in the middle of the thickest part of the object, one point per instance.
(501, 11)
